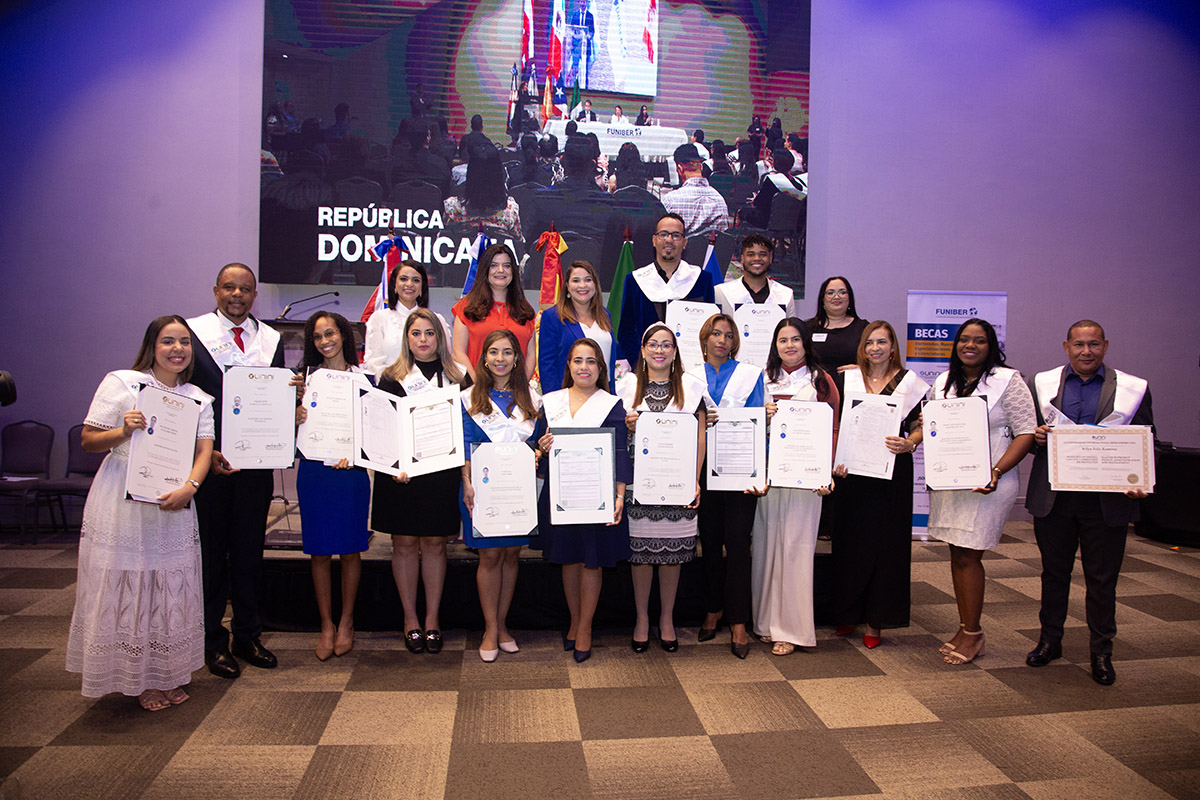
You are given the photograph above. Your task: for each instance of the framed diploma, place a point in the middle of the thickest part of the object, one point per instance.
(685, 318)
(755, 326)
(505, 489)
(801, 445)
(1086, 458)
(258, 418)
(736, 451)
(582, 476)
(664, 459)
(431, 436)
(958, 452)
(162, 454)
(377, 430)
(327, 434)
(867, 420)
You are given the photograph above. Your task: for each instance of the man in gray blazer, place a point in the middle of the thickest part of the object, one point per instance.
(1086, 392)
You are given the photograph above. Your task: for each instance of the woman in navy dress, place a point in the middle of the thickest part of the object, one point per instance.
(584, 549)
(578, 313)
(499, 408)
(333, 497)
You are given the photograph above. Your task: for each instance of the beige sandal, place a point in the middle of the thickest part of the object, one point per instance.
(957, 659)
(153, 700)
(783, 649)
(176, 696)
(947, 647)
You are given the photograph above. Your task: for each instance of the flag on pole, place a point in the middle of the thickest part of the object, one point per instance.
(558, 36)
(560, 99)
(553, 246)
(576, 98)
(527, 33)
(650, 30)
(512, 96)
(547, 101)
(391, 252)
(482, 242)
(711, 265)
(617, 291)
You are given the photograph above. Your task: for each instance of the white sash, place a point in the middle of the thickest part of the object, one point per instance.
(737, 390)
(218, 340)
(1126, 401)
(732, 295)
(792, 385)
(785, 184)
(909, 391)
(501, 428)
(652, 286)
(991, 386)
(590, 415)
(415, 383)
(693, 394)
(133, 381)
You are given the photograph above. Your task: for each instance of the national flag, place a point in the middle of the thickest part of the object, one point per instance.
(527, 33)
(617, 291)
(560, 99)
(552, 244)
(547, 101)
(482, 242)
(512, 96)
(650, 31)
(391, 252)
(558, 37)
(576, 98)
(711, 265)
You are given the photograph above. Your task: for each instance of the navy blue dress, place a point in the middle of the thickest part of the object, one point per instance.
(473, 433)
(333, 508)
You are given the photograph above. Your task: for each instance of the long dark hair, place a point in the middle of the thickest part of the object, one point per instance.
(822, 318)
(601, 364)
(566, 307)
(957, 376)
(628, 167)
(816, 371)
(481, 399)
(312, 358)
(484, 191)
(145, 356)
(394, 296)
(643, 369)
(479, 300)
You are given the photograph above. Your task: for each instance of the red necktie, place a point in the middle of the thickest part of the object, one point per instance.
(237, 339)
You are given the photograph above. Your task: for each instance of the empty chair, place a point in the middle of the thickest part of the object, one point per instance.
(414, 195)
(358, 191)
(81, 469)
(25, 460)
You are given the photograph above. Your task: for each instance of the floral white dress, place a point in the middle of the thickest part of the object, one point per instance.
(138, 622)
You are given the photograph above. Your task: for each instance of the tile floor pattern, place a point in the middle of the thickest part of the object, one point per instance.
(836, 721)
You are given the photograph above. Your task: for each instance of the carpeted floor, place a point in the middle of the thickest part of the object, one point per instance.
(836, 721)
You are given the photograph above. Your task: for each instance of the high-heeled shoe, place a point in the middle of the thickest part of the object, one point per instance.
(740, 650)
(323, 653)
(669, 645)
(341, 650)
(956, 658)
(948, 646)
(433, 641)
(871, 641)
(844, 630)
(488, 656)
(582, 655)
(414, 640)
(568, 644)
(639, 647)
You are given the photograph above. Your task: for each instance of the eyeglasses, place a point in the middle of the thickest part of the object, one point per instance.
(836, 293)
(660, 347)
(672, 235)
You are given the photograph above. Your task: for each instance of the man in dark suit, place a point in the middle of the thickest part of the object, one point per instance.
(476, 138)
(586, 114)
(232, 505)
(1085, 392)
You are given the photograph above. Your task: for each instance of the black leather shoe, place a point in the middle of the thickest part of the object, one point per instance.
(706, 634)
(1044, 653)
(433, 641)
(670, 645)
(582, 655)
(639, 647)
(222, 664)
(739, 650)
(254, 654)
(1102, 669)
(414, 640)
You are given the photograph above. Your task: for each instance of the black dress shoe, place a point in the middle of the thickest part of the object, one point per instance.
(670, 645)
(739, 650)
(1044, 653)
(414, 640)
(254, 654)
(706, 634)
(433, 641)
(639, 647)
(222, 664)
(582, 655)
(1102, 669)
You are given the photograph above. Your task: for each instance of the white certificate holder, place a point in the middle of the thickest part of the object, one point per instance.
(505, 483)
(736, 451)
(664, 461)
(582, 474)
(1089, 458)
(755, 327)
(958, 451)
(431, 437)
(377, 425)
(804, 462)
(866, 420)
(258, 418)
(685, 318)
(327, 435)
(161, 455)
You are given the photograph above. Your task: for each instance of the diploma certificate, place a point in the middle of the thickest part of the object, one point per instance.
(162, 454)
(664, 459)
(958, 452)
(736, 452)
(1086, 458)
(432, 431)
(685, 318)
(582, 476)
(505, 489)
(867, 420)
(327, 434)
(755, 328)
(258, 418)
(801, 445)
(377, 430)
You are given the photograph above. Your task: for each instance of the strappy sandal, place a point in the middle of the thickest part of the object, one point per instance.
(956, 658)
(176, 696)
(153, 700)
(783, 649)
(947, 647)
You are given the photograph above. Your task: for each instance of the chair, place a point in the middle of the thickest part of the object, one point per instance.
(25, 455)
(416, 194)
(81, 469)
(358, 191)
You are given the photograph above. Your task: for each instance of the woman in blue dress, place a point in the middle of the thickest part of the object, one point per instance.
(333, 497)
(500, 408)
(577, 314)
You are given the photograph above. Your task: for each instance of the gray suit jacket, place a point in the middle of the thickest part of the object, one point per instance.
(1039, 500)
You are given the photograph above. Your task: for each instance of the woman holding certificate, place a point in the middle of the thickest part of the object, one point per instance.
(583, 549)
(971, 521)
(495, 301)
(499, 408)
(578, 313)
(727, 518)
(385, 327)
(138, 623)
(333, 497)
(785, 527)
(872, 554)
(416, 511)
(660, 535)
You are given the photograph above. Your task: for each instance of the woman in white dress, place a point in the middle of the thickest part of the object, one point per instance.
(138, 623)
(971, 522)
(385, 327)
(786, 521)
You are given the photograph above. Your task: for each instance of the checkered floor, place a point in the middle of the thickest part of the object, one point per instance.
(835, 721)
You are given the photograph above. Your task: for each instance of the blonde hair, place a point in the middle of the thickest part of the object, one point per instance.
(404, 363)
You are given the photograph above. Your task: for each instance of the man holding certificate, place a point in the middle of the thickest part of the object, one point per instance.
(752, 299)
(1085, 392)
(232, 505)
